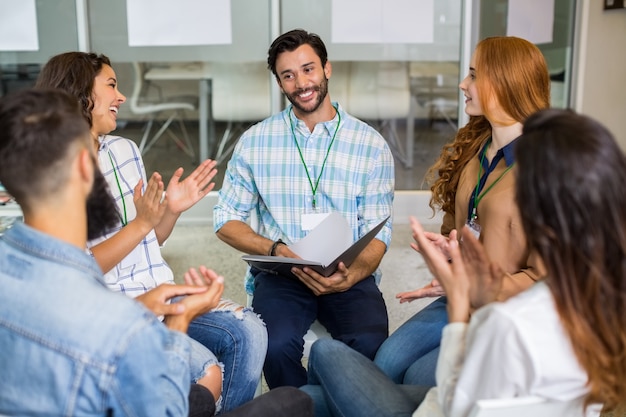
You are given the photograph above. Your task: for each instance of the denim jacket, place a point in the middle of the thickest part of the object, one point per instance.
(71, 347)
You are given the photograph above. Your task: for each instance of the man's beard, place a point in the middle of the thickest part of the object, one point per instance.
(102, 214)
(322, 92)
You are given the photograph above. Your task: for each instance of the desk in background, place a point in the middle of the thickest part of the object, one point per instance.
(200, 71)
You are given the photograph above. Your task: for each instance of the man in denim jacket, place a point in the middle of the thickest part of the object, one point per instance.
(69, 345)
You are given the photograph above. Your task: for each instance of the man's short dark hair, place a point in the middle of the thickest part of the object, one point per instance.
(290, 41)
(38, 129)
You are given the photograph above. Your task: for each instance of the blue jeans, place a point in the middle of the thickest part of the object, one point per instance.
(357, 317)
(409, 355)
(239, 341)
(344, 383)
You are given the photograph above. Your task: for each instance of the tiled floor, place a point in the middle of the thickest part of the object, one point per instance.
(165, 157)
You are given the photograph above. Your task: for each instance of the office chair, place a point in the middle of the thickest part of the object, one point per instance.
(154, 110)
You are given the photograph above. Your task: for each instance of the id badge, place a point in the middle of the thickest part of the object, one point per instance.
(310, 219)
(474, 227)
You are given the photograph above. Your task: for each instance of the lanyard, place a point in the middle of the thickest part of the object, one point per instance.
(476, 198)
(306, 169)
(119, 187)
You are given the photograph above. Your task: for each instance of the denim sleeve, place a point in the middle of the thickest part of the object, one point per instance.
(152, 376)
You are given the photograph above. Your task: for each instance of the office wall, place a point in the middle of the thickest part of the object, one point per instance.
(601, 63)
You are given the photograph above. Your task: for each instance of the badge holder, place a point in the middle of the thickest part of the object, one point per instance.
(473, 225)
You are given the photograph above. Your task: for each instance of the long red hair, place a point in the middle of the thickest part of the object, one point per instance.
(510, 72)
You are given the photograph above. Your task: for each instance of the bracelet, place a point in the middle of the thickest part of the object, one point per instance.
(274, 246)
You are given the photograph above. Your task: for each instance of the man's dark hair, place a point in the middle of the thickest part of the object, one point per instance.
(290, 41)
(38, 129)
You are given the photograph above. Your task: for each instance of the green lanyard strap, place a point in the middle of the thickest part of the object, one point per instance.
(480, 197)
(124, 219)
(317, 182)
(477, 197)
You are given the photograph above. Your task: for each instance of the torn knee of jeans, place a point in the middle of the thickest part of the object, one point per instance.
(230, 306)
(205, 371)
(218, 405)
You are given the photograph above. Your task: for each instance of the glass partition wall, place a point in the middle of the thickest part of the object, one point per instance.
(557, 51)
(400, 72)
(55, 24)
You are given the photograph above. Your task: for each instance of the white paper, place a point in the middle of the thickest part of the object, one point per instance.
(180, 22)
(309, 221)
(532, 20)
(382, 21)
(329, 239)
(18, 25)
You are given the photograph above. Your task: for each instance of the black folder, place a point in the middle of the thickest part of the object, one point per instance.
(280, 265)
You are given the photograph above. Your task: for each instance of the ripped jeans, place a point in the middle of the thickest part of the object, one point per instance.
(238, 339)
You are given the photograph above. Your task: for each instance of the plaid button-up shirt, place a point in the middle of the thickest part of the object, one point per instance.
(267, 177)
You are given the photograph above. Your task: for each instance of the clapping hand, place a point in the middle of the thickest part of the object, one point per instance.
(151, 204)
(204, 278)
(434, 288)
(440, 241)
(158, 299)
(197, 303)
(470, 280)
(451, 275)
(184, 194)
(486, 275)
